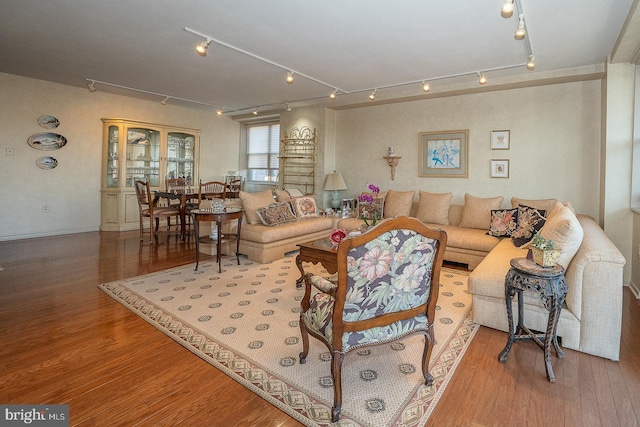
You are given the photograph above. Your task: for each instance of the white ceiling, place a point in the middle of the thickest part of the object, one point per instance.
(352, 45)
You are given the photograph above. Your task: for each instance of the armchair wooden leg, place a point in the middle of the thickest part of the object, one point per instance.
(336, 373)
(426, 355)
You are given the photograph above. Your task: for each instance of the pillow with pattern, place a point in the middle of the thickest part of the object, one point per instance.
(530, 221)
(276, 214)
(305, 207)
(503, 222)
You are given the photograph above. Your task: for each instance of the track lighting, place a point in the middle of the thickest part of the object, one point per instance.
(425, 86)
(288, 106)
(91, 86)
(372, 95)
(507, 9)
(520, 32)
(202, 47)
(255, 112)
(333, 94)
(532, 63)
(290, 77)
(481, 78)
(164, 101)
(219, 112)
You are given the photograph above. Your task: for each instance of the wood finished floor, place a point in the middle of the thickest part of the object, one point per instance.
(65, 341)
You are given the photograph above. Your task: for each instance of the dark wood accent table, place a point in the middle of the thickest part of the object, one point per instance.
(217, 217)
(525, 275)
(319, 251)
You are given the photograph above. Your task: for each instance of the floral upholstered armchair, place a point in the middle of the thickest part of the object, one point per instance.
(387, 288)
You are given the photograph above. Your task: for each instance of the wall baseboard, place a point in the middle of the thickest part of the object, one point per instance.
(635, 289)
(47, 234)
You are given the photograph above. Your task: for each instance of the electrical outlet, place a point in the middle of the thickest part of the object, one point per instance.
(46, 208)
(9, 151)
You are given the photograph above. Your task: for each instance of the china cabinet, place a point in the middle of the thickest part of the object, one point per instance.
(138, 151)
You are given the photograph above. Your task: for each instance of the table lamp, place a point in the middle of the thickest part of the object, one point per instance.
(335, 183)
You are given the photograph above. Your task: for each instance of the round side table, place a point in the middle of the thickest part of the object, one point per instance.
(549, 283)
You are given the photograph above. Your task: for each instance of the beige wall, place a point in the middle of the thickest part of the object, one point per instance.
(73, 188)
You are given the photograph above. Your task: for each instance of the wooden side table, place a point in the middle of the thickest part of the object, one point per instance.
(218, 218)
(549, 282)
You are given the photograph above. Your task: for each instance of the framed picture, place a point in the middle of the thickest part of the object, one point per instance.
(499, 139)
(500, 168)
(444, 154)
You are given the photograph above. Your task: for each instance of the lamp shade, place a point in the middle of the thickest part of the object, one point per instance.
(334, 182)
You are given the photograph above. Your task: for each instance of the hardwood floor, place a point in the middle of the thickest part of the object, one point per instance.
(65, 341)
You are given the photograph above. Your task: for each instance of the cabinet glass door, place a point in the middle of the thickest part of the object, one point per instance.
(181, 156)
(112, 157)
(143, 156)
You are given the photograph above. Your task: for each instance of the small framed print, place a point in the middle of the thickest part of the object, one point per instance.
(500, 168)
(499, 139)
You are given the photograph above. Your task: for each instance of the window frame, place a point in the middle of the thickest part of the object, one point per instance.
(272, 144)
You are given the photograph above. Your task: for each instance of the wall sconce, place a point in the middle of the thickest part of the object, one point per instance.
(392, 160)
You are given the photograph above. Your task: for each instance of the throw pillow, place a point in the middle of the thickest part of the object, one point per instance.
(530, 221)
(477, 211)
(282, 195)
(433, 208)
(398, 203)
(542, 204)
(305, 207)
(566, 232)
(276, 214)
(251, 202)
(503, 222)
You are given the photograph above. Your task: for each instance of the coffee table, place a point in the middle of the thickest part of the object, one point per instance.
(319, 251)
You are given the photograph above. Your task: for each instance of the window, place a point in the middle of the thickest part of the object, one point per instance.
(263, 148)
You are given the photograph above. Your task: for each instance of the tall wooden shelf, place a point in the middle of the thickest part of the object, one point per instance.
(298, 160)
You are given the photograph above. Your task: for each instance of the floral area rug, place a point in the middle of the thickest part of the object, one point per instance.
(244, 321)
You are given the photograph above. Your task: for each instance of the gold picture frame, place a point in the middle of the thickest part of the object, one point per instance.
(444, 154)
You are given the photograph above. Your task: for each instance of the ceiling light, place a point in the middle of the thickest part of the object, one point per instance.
(507, 9)
(290, 77)
(372, 95)
(91, 86)
(482, 79)
(333, 94)
(520, 32)
(288, 106)
(425, 87)
(532, 63)
(164, 101)
(202, 47)
(255, 112)
(219, 112)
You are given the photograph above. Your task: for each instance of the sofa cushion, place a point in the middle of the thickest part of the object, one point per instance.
(282, 195)
(487, 278)
(477, 211)
(566, 232)
(398, 203)
(433, 208)
(262, 234)
(542, 204)
(251, 202)
(530, 221)
(471, 239)
(503, 222)
(305, 207)
(276, 214)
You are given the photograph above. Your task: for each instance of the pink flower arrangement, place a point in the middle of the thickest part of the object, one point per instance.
(337, 235)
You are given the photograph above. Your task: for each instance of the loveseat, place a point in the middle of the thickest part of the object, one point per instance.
(481, 234)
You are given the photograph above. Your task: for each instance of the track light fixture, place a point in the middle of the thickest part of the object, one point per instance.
(218, 112)
(333, 94)
(290, 77)
(520, 32)
(288, 106)
(164, 101)
(425, 86)
(255, 112)
(372, 95)
(531, 64)
(202, 47)
(507, 9)
(481, 78)
(91, 86)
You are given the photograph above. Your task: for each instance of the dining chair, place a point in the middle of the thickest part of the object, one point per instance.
(211, 190)
(387, 289)
(234, 188)
(181, 186)
(148, 209)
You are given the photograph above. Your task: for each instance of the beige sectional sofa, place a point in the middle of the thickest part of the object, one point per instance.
(591, 319)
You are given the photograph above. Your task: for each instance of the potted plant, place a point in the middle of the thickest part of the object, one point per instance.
(544, 252)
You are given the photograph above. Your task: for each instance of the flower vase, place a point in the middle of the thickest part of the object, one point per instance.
(545, 258)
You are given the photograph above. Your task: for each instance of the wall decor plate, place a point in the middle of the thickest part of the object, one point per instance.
(48, 122)
(47, 141)
(46, 162)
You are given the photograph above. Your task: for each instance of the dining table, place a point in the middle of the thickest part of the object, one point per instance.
(184, 197)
